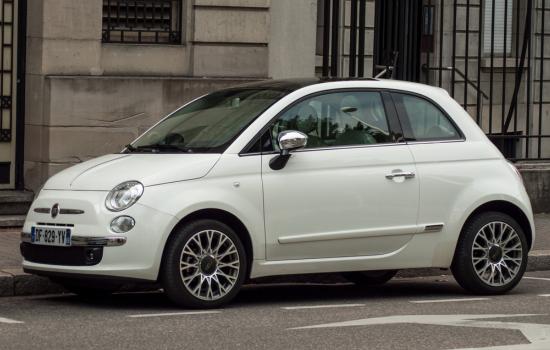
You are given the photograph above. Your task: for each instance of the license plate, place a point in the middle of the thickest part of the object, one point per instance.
(51, 236)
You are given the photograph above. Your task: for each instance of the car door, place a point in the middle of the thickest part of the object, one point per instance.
(351, 191)
(446, 166)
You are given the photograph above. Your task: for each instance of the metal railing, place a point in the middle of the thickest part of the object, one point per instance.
(499, 82)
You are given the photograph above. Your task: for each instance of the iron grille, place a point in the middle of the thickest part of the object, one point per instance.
(142, 22)
(6, 70)
(491, 56)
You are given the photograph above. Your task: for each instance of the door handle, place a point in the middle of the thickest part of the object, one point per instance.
(405, 175)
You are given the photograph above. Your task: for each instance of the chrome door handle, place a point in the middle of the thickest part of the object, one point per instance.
(405, 175)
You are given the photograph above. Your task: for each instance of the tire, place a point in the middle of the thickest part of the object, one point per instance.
(90, 291)
(369, 278)
(491, 254)
(197, 272)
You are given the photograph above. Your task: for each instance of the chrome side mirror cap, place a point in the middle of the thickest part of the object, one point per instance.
(290, 140)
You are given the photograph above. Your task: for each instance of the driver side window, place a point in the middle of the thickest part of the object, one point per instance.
(337, 119)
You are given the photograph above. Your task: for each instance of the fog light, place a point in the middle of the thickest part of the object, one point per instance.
(122, 224)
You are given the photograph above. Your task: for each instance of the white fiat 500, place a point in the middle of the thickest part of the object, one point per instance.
(358, 176)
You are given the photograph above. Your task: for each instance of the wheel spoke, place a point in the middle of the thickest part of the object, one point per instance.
(233, 264)
(186, 266)
(229, 250)
(209, 236)
(229, 278)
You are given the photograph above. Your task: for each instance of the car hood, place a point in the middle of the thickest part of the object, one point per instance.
(104, 173)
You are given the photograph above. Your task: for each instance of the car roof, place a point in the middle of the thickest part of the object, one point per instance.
(300, 83)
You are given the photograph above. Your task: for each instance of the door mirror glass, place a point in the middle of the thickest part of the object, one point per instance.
(291, 140)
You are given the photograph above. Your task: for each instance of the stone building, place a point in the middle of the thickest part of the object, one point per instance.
(82, 78)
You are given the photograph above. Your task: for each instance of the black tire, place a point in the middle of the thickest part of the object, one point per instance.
(172, 275)
(369, 278)
(90, 291)
(463, 267)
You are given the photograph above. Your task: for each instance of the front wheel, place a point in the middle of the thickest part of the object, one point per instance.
(204, 265)
(491, 254)
(369, 278)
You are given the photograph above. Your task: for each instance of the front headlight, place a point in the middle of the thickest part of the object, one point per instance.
(124, 195)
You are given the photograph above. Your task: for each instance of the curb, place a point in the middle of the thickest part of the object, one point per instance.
(14, 282)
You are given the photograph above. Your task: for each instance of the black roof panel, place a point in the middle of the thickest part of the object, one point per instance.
(297, 83)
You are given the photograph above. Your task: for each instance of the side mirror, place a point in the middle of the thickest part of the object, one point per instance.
(290, 140)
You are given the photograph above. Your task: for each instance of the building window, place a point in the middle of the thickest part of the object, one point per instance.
(503, 20)
(142, 22)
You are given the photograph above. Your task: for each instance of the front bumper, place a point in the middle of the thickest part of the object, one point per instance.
(134, 255)
(86, 241)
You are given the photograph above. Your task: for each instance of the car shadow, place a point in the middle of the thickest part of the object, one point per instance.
(268, 294)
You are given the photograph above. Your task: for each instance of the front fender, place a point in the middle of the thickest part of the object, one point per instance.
(234, 185)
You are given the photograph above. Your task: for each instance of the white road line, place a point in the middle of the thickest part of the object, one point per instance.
(178, 314)
(320, 306)
(544, 295)
(7, 320)
(447, 300)
(537, 278)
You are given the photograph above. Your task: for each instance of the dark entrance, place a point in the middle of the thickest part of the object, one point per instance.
(399, 35)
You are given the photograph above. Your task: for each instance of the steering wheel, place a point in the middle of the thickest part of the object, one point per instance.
(172, 138)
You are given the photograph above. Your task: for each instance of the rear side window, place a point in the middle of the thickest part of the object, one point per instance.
(422, 121)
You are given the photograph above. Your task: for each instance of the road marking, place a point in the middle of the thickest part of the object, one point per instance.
(544, 295)
(178, 314)
(447, 300)
(7, 320)
(536, 334)
(537, 278)
(320, 306)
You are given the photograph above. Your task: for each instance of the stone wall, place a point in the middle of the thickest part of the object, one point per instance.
(85, 98)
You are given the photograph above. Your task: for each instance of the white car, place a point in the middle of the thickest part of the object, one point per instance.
(359, 176)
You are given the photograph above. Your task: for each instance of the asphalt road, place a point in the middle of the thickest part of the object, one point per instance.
(420, 313)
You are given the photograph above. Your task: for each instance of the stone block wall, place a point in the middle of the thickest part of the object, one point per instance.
(85, 98)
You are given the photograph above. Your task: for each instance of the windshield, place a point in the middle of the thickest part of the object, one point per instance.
(208, 125)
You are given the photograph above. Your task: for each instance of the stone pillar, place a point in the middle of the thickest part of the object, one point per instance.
(293, 35)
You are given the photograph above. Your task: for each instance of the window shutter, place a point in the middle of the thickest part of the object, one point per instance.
(500, 21)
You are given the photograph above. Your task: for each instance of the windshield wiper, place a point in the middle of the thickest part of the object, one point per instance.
(130, 148)
(159, 147)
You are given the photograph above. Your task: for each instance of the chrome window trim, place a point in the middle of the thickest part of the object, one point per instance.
(388, 144)
(435, 141)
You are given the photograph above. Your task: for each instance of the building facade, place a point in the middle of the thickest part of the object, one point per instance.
(83, 78)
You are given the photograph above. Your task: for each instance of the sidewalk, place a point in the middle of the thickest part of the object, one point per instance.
(13, 281)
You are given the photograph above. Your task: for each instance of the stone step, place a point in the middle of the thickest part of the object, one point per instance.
(12, 220)
(15, 202)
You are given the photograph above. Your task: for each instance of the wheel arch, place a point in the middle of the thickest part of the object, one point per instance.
(510, 209)
(222, 216)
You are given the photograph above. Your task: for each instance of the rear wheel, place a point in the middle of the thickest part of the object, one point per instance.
(369, 278)
(204, 265)
(491, 254)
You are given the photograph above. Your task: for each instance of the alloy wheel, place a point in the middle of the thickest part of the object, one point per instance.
(209, 265)
(497, 253)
